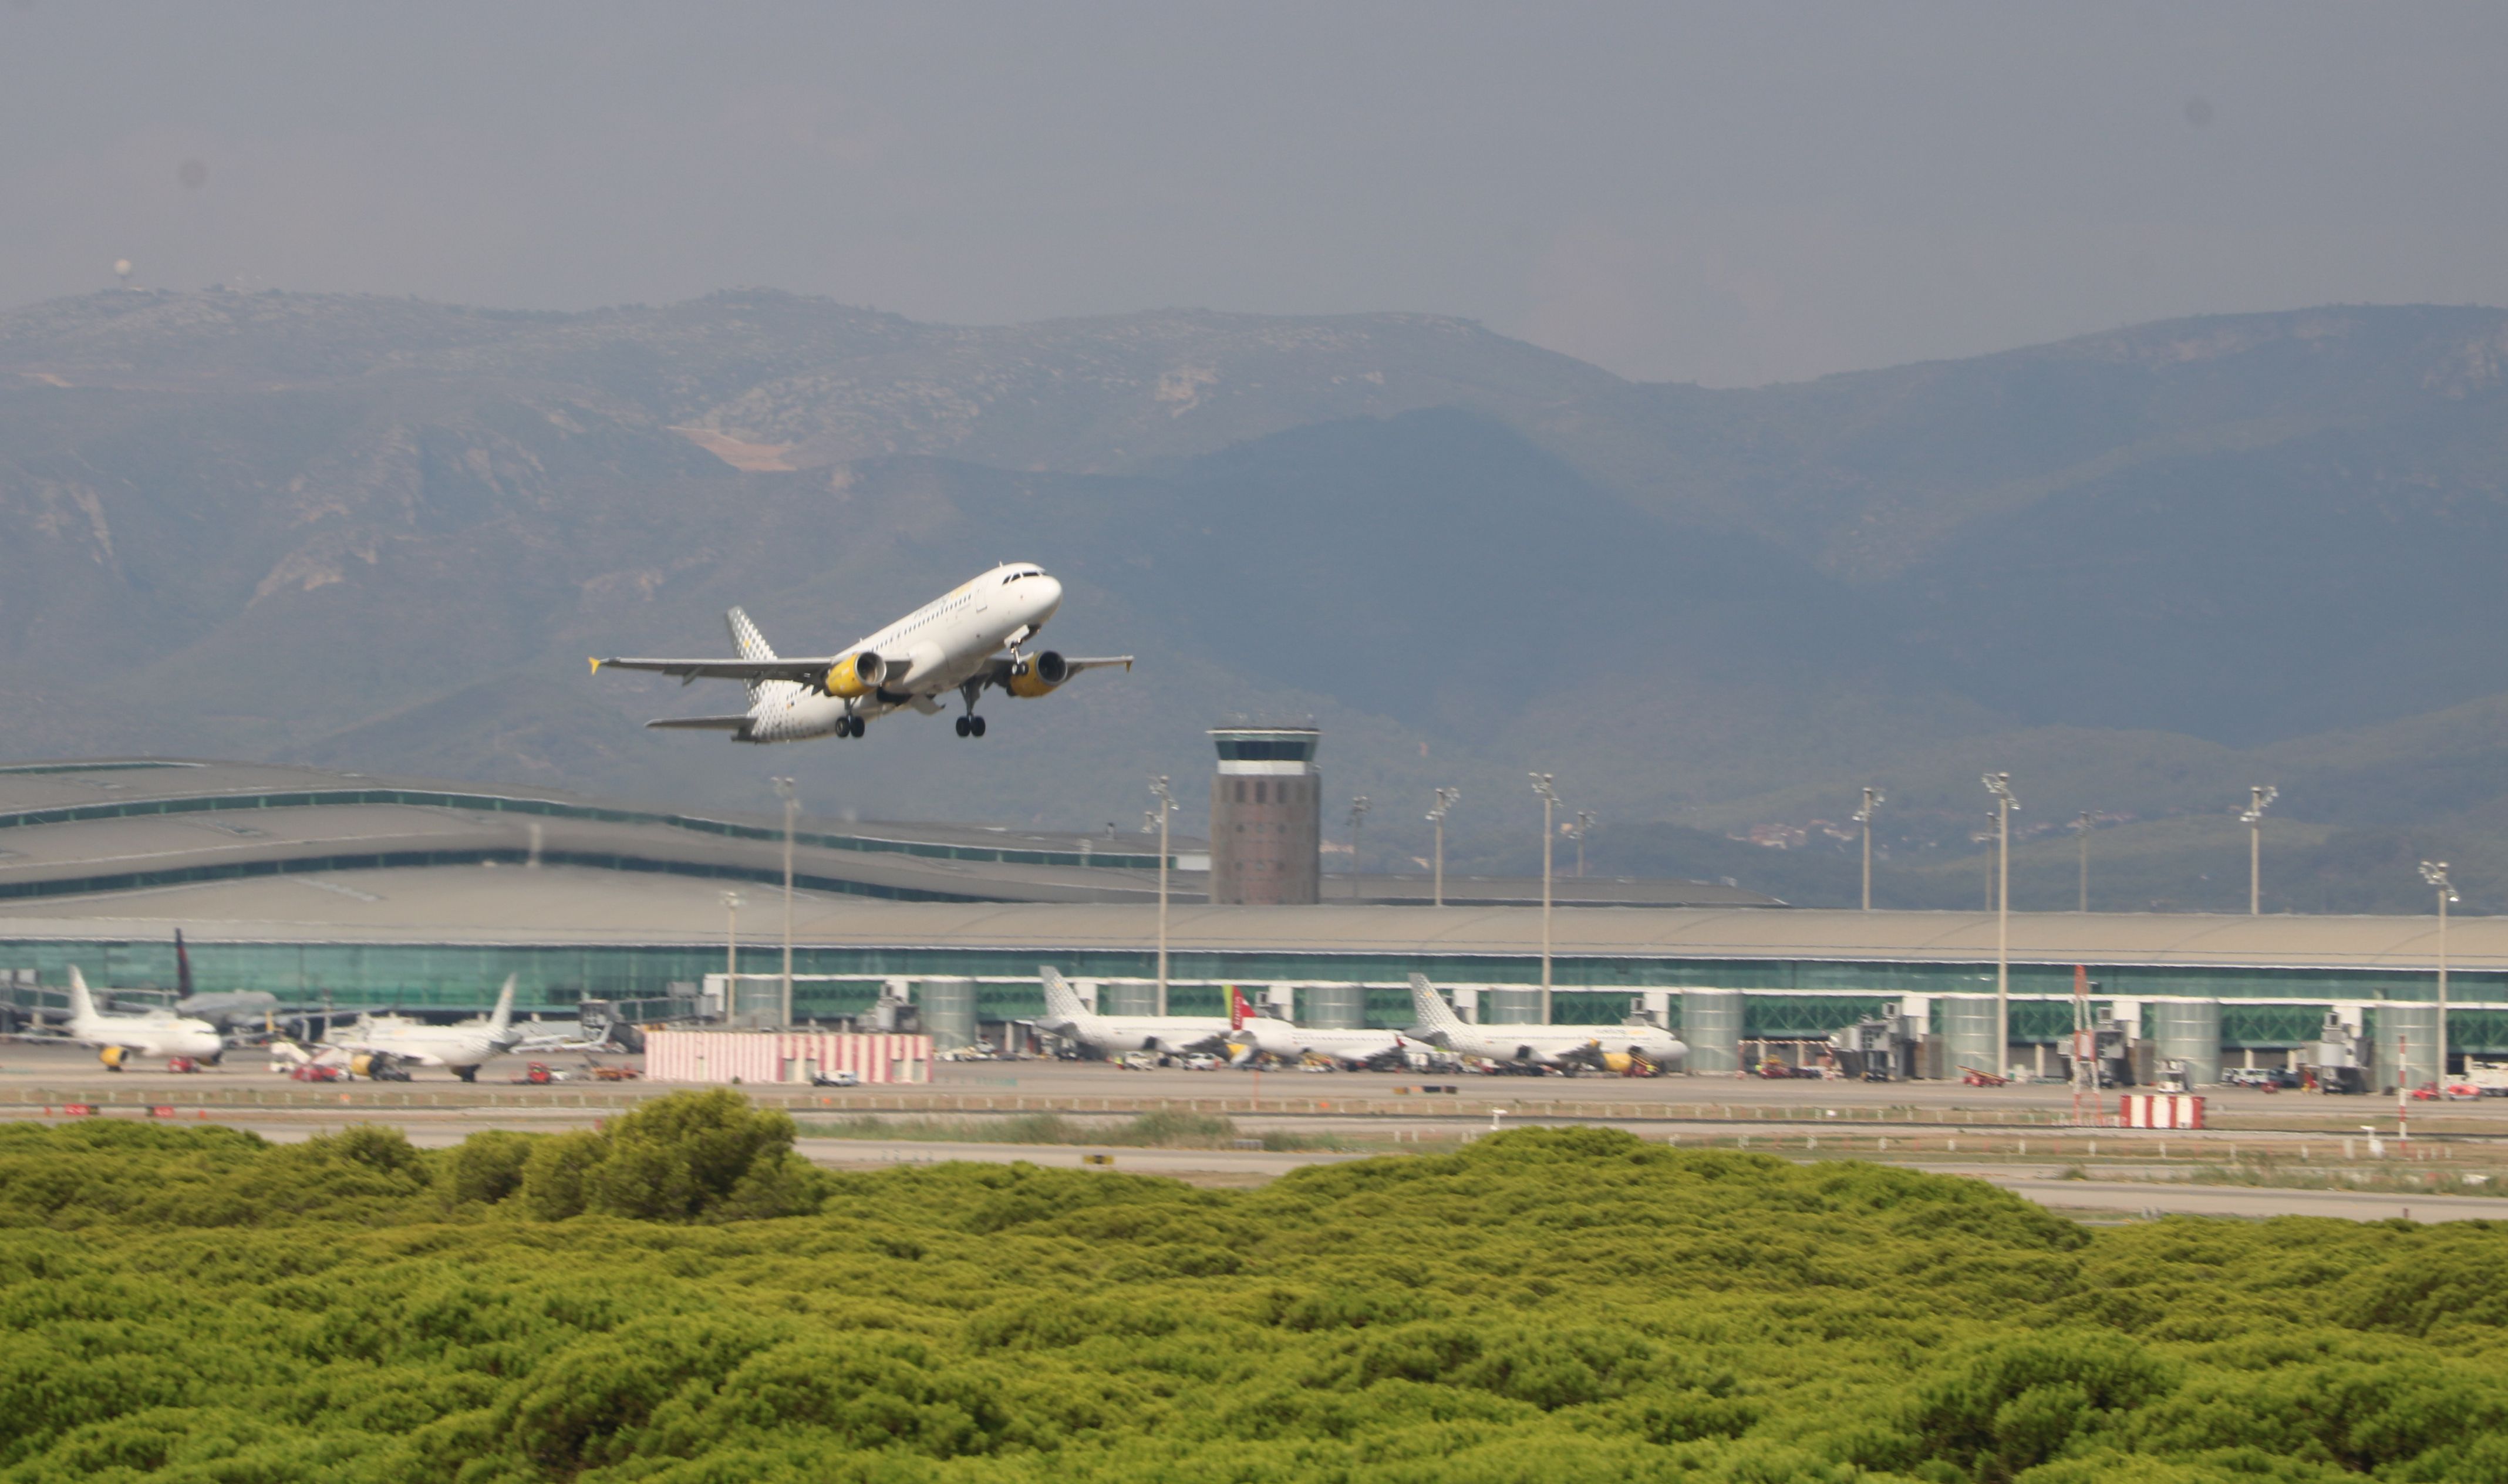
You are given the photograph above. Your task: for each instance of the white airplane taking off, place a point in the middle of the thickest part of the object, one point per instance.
(461, 1049)
(150, 1033)
(1292, 1042)
(1066, 1014)
(1603, 1048)
(964, 640)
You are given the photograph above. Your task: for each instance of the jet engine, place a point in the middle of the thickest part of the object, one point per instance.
(115, 1057)
(858, 674)
(1039, 674)
(377, 1067)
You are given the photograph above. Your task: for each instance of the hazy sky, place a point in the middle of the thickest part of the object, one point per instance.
(1728, 194)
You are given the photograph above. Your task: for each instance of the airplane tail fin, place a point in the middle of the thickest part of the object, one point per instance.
(1429, 1008)
(82, 1003)
(1061, 1001)
(182, 967)
(504, 1017)
(1238, 1012)
(750, 642)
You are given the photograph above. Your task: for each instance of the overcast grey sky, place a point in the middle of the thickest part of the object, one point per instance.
(1727, 194)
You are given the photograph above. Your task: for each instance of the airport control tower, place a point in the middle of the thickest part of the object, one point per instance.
(1266, 817)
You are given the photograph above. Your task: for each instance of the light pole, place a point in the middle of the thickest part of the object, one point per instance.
(1873, 801)
(1437, 816)
(2081, 828)
(1584, 825)
(730, 953)
(2435, 873)
(1549, 800)
(1358, 808)
(791, 807)
(1165, 809)
(2260, 797)
(1999, 785)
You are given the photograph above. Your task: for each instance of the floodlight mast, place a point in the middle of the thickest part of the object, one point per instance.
(792, 808)
(1165, 809)
(1542, 784)
(2260, 797)
(1873, 801)
(730, 952)
(1586, 818)
(1999, 785)
(1437, 816)
(1358, 808)
(2435, 873)
(2081, 827)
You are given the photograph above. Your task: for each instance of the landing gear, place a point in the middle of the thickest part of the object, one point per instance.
(850, 726)
(467, 1073)
(971, 726)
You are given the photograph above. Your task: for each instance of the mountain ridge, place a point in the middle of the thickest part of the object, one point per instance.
(2145, 564)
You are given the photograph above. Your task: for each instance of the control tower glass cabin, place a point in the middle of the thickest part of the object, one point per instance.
(1266, 817)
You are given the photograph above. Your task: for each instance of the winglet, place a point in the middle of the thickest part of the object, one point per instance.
(596, 664)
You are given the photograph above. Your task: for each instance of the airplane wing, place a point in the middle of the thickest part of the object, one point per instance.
(702, 724)
(1040, 672)
(689, 670)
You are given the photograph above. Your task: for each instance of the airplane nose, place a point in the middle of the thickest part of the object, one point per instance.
(1049, 597)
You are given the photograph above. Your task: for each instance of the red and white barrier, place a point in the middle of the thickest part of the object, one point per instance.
(783, 1056)
(2160, 1110)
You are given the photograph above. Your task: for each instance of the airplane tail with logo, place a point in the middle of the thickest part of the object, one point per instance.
(1063, 1003)
(751, 645)
(502, 1018)
(1429, 1008)
(1238, 1012)
(182, 968)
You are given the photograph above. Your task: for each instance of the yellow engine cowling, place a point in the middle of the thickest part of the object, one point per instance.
(1040, 675)
(115, 1057)
(855, 675)
(363, 1064)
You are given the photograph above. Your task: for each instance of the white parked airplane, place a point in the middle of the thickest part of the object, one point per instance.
(461, 1049)
(1066, 1014)
(964, 640)
(1602, 1048)
(118, 1038)
(1291, 1042)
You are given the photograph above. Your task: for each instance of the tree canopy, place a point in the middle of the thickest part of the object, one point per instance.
(675, 1298)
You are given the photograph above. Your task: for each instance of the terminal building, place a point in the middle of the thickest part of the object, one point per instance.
(361, 891)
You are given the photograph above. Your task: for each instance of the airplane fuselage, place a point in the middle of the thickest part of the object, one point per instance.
(944, 644)
(1351, 1048)
(1562, 1044)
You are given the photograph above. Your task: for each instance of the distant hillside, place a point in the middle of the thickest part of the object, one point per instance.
(2139, 569)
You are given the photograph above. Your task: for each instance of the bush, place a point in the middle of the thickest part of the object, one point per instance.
(1540, 1306)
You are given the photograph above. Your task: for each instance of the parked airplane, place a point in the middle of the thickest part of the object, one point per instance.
(225, 1009)
(1603, 1048)
(389, 1039)
(965, 642)
(1251, 1033)
(119, 1038)
(1066, 1014)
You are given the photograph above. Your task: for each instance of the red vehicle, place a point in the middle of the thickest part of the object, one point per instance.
(182, 1064)
(316, 1071)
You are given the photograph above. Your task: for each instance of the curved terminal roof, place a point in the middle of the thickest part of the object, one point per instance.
(71, 829)
(504, 904)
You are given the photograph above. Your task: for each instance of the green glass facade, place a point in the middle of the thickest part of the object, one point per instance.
(1786, 999)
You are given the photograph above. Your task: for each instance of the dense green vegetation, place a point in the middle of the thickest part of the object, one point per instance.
(1545, 1305)
(1160, 1130)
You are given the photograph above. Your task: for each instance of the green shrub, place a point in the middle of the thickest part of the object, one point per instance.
(1541, 1306)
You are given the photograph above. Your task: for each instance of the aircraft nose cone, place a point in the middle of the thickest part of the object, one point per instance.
(1049, 596)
